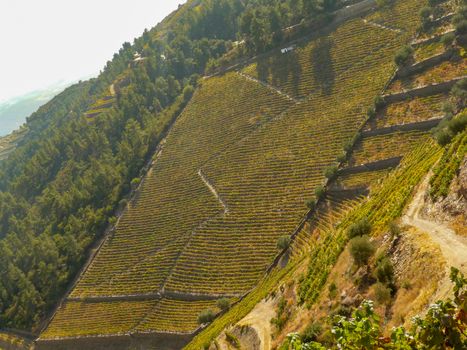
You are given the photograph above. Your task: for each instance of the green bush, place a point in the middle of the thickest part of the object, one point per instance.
(360, 228)
(382, 293)
(443, 137)
(223, 304)
(283, 242)
(320, 192)
(403, 55)
(331, 173)
(394, 229)
(385, 271)
(448, 39)
(379, 101)
(206, 316)
(458, 124)
(312, 332)
(311, 204)
(332, 289)
(361, 249)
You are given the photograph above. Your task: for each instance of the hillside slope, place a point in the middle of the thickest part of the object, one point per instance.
(260, 139)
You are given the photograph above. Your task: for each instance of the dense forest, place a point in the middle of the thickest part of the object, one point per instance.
(61, 188)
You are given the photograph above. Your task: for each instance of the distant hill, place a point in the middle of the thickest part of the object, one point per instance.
(13, 113)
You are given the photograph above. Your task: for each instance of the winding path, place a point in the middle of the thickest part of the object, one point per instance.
(453, 246)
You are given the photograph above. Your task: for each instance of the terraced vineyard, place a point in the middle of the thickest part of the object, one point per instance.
(121, 317)
(416, 109)
(10, 341)
(443, 72)
(375, 148)
(231, 178)
(361, 180)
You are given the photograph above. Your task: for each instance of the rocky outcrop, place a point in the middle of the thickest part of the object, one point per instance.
(455, 203)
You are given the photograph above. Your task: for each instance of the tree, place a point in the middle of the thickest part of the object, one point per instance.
(206, 316)
(283, 242)
(223, 304)
(361, 250)
(360, 228)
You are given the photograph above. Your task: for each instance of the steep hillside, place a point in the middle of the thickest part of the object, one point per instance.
(233, 176)
(416, 229)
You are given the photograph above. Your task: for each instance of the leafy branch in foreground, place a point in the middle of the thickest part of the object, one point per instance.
(443, 327)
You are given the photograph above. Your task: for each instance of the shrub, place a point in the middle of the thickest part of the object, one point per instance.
(283, 242)
(403, 55)
(379, 101)
(135, 183)
(331, 173)
(312, 332)
(371, 113)
(311, 204)
(223, 304)
(188, 92)
(382, 293)
(360, 228)
(394, 229)
(342, 158)
(332, 289)
(443, 137)
(232, 339)
(361, 250)
(385, 271)
(206, 316)
(459, 92)
(425, 16)
(458, 124)
(320, 192)
(461, 27)
(448, 39)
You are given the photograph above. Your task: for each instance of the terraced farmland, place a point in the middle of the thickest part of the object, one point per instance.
(361, 180)
(440, 73)
(416, 109)
(372, 149)
(232, 177)
(121, 317)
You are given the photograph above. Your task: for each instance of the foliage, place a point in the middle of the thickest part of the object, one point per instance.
(320, 192)
(283, 242)
(361, 250)
(331, 173)
(206, 316)
(384, 271)
(223, 304)
(403, 55)
(311, 332)
(445, 171)
(232, 339)
(360, 228)
(443, 327)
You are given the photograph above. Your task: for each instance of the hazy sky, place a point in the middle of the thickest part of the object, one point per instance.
(46, 41)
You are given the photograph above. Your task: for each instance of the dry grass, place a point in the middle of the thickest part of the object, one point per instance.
(419, 268)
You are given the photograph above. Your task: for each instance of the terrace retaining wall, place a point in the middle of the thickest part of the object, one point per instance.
(422, 91)
(373, 166)
(422, 126)
(425, 64)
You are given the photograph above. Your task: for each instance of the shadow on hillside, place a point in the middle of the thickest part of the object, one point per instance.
(321, 61)
(281, 70)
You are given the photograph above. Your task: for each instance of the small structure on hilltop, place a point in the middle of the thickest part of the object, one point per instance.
(288, 49)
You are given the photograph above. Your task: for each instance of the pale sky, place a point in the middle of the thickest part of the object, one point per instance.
(46, 41)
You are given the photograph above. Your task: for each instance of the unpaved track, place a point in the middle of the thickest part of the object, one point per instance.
(260, 319)
(453, 246)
